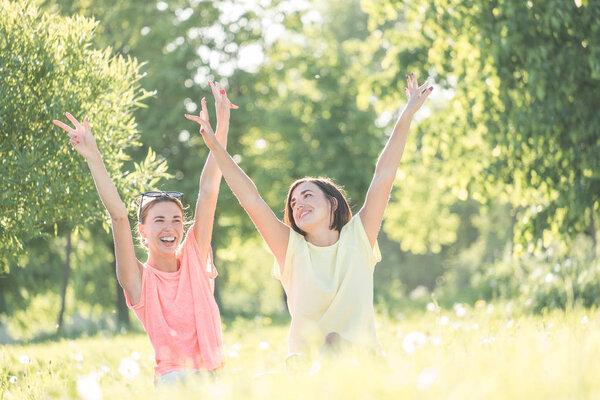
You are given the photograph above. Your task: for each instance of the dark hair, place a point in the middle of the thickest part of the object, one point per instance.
(341, 215)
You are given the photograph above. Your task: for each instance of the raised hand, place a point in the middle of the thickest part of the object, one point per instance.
(416, 94)
(222, 106)
(81, 137)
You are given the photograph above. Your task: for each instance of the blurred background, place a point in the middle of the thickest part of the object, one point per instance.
(497, 197)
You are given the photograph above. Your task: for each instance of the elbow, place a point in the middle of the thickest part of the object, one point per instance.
(119, 214)
(383, 174)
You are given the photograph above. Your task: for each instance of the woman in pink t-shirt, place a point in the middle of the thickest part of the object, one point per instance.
(172, 292)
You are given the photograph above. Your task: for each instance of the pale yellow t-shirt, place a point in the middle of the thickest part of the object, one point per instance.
(330, 288)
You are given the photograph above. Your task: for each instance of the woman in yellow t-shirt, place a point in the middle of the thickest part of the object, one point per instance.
(324, 256)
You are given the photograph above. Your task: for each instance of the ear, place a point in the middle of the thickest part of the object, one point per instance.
(141, 230)
(334, 204)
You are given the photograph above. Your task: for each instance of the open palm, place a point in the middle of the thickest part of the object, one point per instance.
(416, 94)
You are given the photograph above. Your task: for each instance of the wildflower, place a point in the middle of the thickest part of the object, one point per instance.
(78, 357)
(135, 355)
(413, 341)
(13, 379)
(129, 368)
(24, 359)
(436, 341)
(460, 310)
(584, 320)
(88, 388)
(263, 345)
(443, 320)
(427, 377)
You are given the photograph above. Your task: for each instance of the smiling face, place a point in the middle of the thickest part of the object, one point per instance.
(162, 229)
(310, 207)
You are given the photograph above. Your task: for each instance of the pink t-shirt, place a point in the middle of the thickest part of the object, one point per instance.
(179, 312)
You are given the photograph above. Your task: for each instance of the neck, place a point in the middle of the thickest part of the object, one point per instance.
(163, 262)
(325, 237)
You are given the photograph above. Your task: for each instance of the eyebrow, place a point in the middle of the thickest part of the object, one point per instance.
(174, 217)
(301, 193)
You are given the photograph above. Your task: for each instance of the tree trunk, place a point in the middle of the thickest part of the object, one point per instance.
(66, 274)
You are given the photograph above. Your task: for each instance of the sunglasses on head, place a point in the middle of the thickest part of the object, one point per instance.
(156, 194)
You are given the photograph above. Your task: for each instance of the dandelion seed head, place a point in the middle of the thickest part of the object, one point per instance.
(413, 341)
(263, 345)
(129, 368)
(427, 377)
(88, 388)
(24, 359)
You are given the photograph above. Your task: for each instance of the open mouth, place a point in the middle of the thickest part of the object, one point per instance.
(168, 239)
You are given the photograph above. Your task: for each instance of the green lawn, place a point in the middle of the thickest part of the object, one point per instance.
(484, 352)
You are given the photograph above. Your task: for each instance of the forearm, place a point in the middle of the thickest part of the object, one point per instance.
(210, 179)
(106, 188)
(241, 185)
(390, 157)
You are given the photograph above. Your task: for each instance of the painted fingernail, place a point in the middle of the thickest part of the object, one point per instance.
(78, 142)
(406, 77)
(222, 91)
(431, 89)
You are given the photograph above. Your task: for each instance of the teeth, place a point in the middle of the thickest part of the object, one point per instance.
(168, 239)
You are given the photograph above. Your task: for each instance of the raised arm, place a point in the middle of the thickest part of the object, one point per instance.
(371, 214)
(274, 232)
(129, 269)
(210, 179)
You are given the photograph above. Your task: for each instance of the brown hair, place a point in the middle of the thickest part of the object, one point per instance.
(341, 215)
(155, 200)
(145, 209)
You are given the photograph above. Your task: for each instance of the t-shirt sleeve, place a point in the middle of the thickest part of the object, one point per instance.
(189, 251)
(359, 230)
(292, 246)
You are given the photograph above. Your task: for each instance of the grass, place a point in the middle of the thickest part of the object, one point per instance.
(485, 352)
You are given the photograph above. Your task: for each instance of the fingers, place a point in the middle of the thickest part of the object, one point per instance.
(86, 124)
(73, 120)
(203, 123)
(214, 86)
(203, 109)
(63, 126)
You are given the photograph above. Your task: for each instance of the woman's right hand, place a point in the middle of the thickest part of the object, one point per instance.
(81, 136)
(205, 129)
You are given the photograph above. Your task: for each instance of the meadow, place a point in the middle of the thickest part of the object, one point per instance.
(487, 351)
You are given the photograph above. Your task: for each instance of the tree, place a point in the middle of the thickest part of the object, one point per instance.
(48, 67)
(517, 116)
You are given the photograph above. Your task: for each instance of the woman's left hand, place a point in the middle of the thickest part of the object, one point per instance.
(416, 94)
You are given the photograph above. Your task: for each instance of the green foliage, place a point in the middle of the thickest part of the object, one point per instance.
(47, 67)
(516, 83)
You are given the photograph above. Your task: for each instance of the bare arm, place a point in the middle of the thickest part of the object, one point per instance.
(210, 180)
(129, 269)
(274, 232)
(371, 214)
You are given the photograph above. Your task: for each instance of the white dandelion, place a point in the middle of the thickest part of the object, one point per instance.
(427, 377)
(263, 345)
(129, 368)
(88, 388)
(413, 341)
(24, 359)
